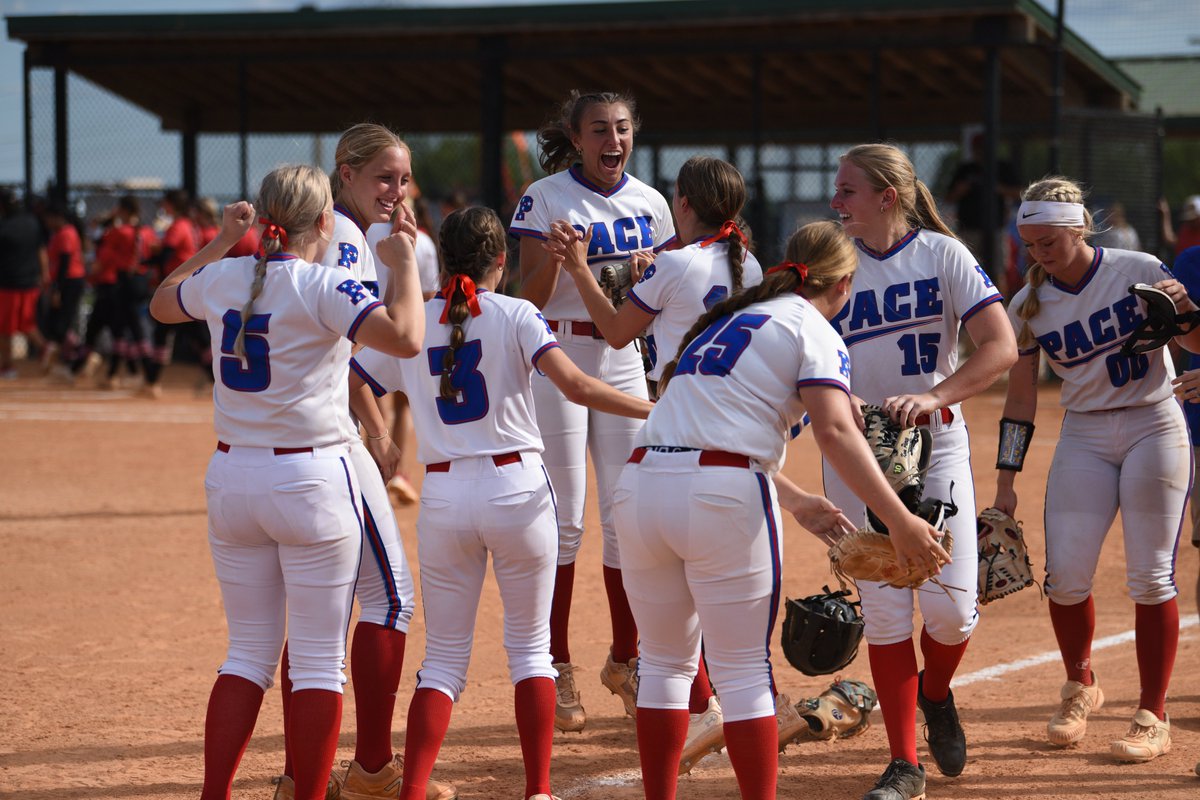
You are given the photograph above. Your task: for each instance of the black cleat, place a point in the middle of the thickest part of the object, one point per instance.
(900, 781)
(943, 732)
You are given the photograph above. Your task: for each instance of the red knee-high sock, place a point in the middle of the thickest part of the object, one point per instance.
(941, 660)
(560, 613)
(661, 733)
(1157, 633)
(1074, 627)
(376, 659)
(315, 716)
(285, 693)
(894, 670)
(701, 689)
(428, 721)
(624, 629)
(232, 711)
(753, 747)
(534, 699)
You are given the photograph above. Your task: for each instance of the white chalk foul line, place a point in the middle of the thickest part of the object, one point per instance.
(992, 673)
(631, 777)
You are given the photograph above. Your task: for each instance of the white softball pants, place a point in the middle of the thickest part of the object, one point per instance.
(285, 534)
(570, 431)
(949, 615)
(385, 583)
(1138, 459)
(474, 509)
(701, 550)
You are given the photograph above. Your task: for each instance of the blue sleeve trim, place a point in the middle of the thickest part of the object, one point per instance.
(637, 301)
(359, 319)
(367, 379)
(519, 232)
(666, 244)
(823, 382)
(975, 309)
(541, 352)
(179, 299)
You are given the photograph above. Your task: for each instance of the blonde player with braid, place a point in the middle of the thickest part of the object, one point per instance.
(1123, 443)
(285, 523)
(916, 287)
(486, 490)
(698, 505)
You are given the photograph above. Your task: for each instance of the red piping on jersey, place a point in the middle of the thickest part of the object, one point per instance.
(338, 208)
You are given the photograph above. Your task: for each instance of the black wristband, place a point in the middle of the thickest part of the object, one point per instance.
(1015, 435)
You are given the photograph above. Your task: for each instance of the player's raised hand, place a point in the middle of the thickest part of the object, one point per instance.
(236, 219)
(1178, 294)
(405, 222)
(397, 250)
(638, 263)
(568, 245)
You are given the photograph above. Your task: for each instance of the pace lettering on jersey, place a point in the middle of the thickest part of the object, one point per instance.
(900, 302)
(1083, 336)
(627, 235)
(524, 207)
(348, 255)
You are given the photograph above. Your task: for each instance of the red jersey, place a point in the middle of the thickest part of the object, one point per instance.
(65, 242)
(180, 238)
(207, 233)
(117, 252)
(245, 246)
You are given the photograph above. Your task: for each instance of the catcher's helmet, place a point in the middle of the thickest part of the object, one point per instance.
(821, 633)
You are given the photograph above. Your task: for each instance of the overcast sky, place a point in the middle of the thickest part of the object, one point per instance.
(1116, 28)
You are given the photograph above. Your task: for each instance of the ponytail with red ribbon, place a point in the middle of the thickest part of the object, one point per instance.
(271, 230)
(467, 286)
(728, 229)
(800, 269)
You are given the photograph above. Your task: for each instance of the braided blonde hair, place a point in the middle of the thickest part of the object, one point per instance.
(294, 198)
(1059, 189)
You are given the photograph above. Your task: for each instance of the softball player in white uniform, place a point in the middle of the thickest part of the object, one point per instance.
(285, 524)
(486, 490)
(1123, 443)
(916, 284)
(593, 140)
(698, 516)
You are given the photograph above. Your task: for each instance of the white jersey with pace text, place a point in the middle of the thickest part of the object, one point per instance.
(350, 251)
(735, 388)
(680, 286)
(627, 218)
(426, 253)
(493, 411)
(901, 323)
(1081, 329)
(290, 390)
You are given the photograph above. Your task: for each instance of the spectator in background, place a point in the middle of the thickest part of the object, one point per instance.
(23, 271)
(180, 241)
(67, 281)
(966, 191)
(1117, 232)
(1188, 233)
(1187, 272)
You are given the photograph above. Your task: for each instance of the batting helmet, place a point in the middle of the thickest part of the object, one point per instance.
(821, 632)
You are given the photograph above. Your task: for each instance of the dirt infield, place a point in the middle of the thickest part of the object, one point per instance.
(112, 629)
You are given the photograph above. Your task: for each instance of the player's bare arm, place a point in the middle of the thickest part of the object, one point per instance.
(539, 273)
(1020, 405)
(236, 219)
(620, 327)
(583, 389)
(996, 353)
(400, 330)
(815, 513)
(379, 444)
(843, 445)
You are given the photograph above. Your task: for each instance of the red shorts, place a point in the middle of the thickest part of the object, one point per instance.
(18, 310)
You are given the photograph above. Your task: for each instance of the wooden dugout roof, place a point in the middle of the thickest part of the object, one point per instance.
(722, 70)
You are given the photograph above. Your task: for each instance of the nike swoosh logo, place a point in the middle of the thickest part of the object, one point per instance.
(1030, 214)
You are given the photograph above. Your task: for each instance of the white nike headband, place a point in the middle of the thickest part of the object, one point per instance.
(1051, 212)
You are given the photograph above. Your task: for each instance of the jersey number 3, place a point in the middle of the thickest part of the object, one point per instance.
(471, 403)
(255, 376)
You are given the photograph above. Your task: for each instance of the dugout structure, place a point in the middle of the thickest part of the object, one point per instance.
(779, 87)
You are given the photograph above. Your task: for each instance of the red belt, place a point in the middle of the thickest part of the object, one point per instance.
(500, 461)
(708, 458)
(578, 328)
(279, 451)
(945, 414)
